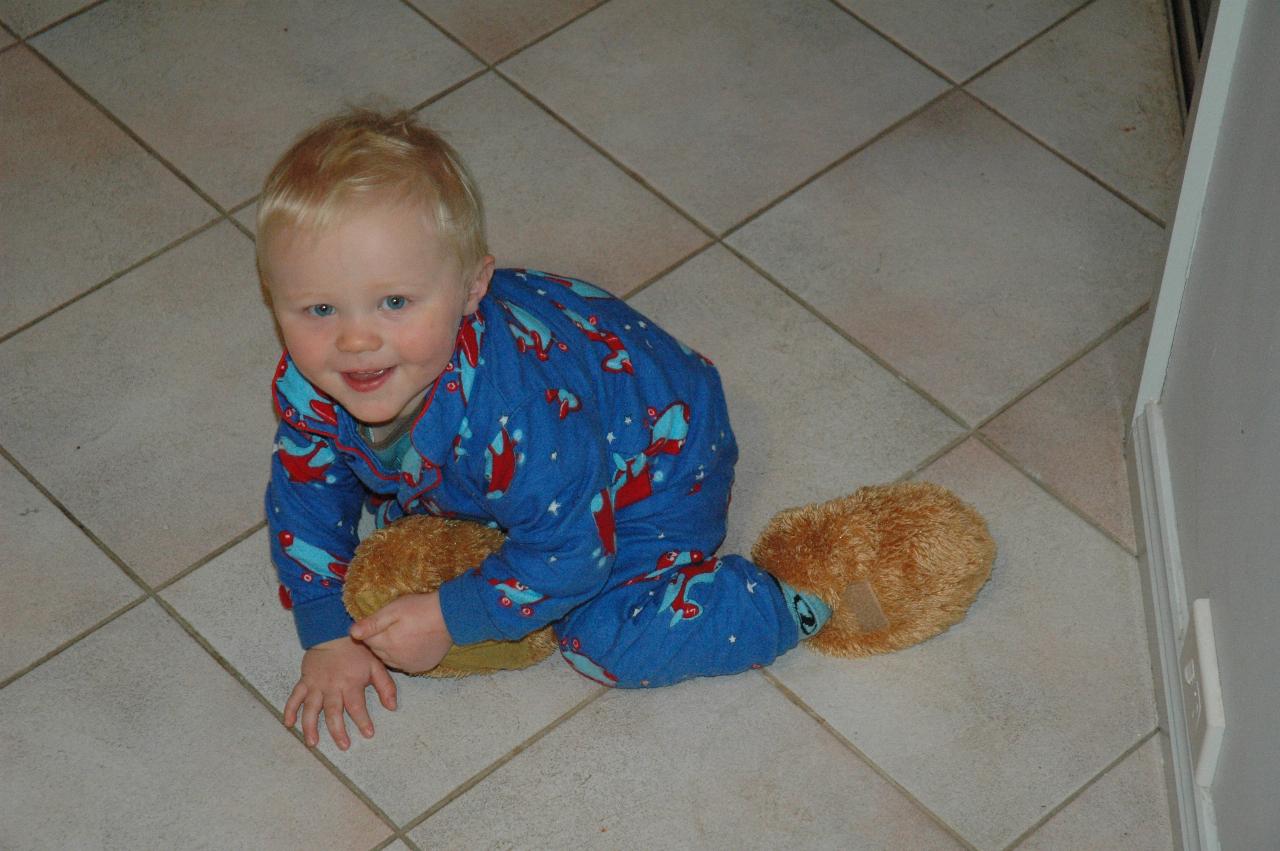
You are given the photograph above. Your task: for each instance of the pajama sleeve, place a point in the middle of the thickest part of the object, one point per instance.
(313, 506)
(545, 477)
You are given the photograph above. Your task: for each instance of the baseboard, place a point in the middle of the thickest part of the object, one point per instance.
(1167, 616)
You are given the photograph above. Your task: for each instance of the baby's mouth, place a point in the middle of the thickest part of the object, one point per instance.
(368, 380)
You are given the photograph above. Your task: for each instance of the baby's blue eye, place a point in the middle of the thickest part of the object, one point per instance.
(394, 302)
(320, 310)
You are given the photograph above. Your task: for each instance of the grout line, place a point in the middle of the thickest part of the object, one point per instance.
(8, 335)
(217, 551)
(596, 146)
(841, 160)
(551, 32)
(1044, 143)
(653, 279)
(60, 21)
(484, 773)
(389, 841)
(75, 639)
(875, 28)
(128, 131)
(890, 368)
(412, 7)
(985, 68)
(235, 223)
(1014, 462)
(936, 456)
(857, 752)
(278, 715)
(75, 521)
(1066, 364)
(445, 92)
(1142, 740)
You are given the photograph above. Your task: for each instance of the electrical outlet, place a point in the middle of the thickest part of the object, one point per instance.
(1202, 693)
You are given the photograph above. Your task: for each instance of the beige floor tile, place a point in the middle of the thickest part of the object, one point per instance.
(56, 582)
(722, 105)
(1126, 808)
(960, 37)
(1047, 680)
(27, 16)
(495, 28)
(145, 407)
(962, 253)
(815, 418)
(136, 738)
(1070, 432)
(220, 89)
(1100, 89)
(444, 731)
(551, 201)
(726, 763)
(79, 200)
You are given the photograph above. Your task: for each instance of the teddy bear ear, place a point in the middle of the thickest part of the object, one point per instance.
(897, 564)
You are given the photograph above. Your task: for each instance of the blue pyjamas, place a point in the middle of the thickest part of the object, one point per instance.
(596, 441)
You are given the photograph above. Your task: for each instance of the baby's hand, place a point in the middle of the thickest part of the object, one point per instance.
(408, 633)
(334, 675)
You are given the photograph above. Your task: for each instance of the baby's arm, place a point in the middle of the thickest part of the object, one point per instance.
(334, 676)
(545, 481)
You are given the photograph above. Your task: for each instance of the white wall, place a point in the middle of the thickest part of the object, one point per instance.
(1220, 405)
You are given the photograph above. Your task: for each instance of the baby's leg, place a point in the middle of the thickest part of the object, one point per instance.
(698, 617)
(674, 610)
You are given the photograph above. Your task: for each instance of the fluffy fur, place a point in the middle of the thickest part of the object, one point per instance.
(920, 550)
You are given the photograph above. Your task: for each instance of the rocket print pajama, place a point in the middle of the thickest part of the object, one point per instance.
(598, 442)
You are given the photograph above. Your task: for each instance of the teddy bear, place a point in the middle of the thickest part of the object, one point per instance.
(896, 563)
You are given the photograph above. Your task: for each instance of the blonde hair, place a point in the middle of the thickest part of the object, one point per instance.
(364, 153)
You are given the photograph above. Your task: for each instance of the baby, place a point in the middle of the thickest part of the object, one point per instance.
(417, 378)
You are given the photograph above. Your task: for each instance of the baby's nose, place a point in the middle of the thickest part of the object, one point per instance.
(357, 337)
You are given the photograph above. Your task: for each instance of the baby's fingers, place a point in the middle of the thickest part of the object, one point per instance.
(359, 712)
(335, 721)
(384, 685)
(296, 697)
(311, 719)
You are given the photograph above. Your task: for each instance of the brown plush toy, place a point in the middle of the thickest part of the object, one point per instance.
(896, 563)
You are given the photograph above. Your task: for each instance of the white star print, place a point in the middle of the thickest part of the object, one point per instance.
(551, 560)
(626, 327)
(661, 535)
(627, 421)
(751, 587)
(635, 611)
(554, 455)
(542, 292)
(610, 437)
(713, 447)
(642, 325)
(554, 507)
(502, 420)
(733, 639)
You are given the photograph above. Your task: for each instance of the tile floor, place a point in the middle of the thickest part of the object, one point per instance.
(918, 236)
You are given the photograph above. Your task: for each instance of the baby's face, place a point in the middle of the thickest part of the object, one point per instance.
(370, 306)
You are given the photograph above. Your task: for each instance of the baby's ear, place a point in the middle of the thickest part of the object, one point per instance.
(479, 284)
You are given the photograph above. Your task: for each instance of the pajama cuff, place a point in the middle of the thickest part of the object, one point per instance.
(464, 610)
(320, 620)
